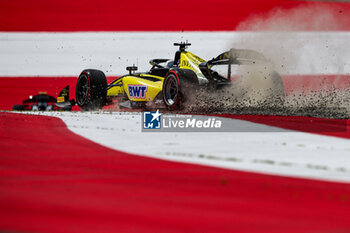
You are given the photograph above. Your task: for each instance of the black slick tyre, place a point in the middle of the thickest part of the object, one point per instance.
(91, 90)
(177, 86)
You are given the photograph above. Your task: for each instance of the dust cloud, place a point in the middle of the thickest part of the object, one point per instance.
(258, 89)
(305, 17)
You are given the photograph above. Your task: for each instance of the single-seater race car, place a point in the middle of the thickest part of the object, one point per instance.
(40, 102)
(168, 82)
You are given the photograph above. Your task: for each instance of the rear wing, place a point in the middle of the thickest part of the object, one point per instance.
(239, 57)
(233, 57)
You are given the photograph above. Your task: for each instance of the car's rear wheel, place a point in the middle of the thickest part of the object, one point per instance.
(177, 86)
(91, 90)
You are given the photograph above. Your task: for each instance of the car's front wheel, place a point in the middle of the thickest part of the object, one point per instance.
(177, 86)
(91, 90)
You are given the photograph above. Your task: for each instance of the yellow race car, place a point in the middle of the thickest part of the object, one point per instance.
(168, 83)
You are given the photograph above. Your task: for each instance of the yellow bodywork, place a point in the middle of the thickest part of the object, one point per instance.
(139, 88)
(60, 99)
(136, 88)
(190, 61)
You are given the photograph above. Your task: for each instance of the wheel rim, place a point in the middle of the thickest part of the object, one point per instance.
(171, 90)
(83, 88)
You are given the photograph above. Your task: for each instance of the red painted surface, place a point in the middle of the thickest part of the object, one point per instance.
(308, 83)
(329, 127)
(139, 15)
(52, 180)
(15, 90)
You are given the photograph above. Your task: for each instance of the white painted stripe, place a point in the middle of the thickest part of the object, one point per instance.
(287, 153)
(66, 54)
